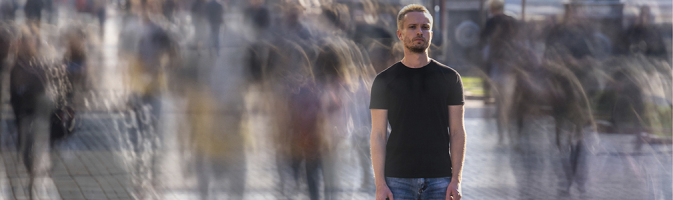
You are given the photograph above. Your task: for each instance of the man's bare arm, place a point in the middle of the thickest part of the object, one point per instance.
(378, 149)
(458, 137)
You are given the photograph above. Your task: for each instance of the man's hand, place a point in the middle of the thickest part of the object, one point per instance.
(453, 192)
(383, 193)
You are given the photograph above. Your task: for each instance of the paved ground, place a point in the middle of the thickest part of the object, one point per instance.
(94, 164)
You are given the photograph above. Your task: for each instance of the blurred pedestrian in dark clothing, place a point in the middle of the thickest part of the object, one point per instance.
(294, 28)
(75, 61)
(644, 37)
(8, 10)
(258, 14)
(37, 87)
(33, 11)
(214, 14)
(498, 42)
(572, 37)
(168, 9)
(375, 40)
(501, 52)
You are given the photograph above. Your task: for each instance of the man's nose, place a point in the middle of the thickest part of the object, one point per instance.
(419, 32)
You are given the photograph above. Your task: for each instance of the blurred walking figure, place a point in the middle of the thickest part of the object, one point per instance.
(8, 10)
(151, 60)
(374, 39)
(217, 140)
(500, 48)
(643, 37)
(200, 21)
(258, 15)
(168, 9)
(75, 61)
(37, 89)
(33, 11)
(32, 106)
(214, 13)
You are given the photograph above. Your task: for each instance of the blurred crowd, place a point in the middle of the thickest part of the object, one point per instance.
(307, 66)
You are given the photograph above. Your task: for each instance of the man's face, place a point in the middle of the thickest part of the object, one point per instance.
(416, 32)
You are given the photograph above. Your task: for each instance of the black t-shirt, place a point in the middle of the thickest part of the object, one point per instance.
(417, 101)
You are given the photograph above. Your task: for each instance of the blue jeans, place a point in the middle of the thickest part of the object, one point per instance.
(418, 188)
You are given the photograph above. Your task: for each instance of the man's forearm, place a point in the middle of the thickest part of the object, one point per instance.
(457, 154)
(378, 151)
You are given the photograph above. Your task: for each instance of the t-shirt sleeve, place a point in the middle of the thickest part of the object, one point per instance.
(456, 96)
(379, 99)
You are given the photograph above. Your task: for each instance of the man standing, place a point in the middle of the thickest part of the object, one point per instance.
(421, 98)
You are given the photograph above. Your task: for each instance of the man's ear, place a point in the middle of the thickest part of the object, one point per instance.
(399, 34)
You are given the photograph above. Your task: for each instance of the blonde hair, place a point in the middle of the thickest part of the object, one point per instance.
(411, 8)
(496, 5)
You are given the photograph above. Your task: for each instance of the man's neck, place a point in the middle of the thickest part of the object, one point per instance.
(415, 60)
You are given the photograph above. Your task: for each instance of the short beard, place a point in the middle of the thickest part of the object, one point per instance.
(418, 49)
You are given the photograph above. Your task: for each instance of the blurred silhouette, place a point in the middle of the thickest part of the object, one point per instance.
(503, 53)
(374, 39)
(8, 10)
(214, 13)
(75, 60)
(644, 37)
(168, 9)
(37, 89)
(498, 41)
(152, 56)
(33, 11)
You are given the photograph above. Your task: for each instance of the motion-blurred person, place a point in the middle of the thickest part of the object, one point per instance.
(36, 96)
(32, 106)
(501, 50)
(568, 66)
(75, 61)
(218, 143)
(214, 13)
(572, 36)
(374, 39)
(33, 11)
(578, 46)
(147, 81)
(644, 37)
(497, 40)
(168, 9)
(423, 100)
(8, 10)
(258, 15)
(375, 56)
(101, 14)
(200, 22)
(292, 19)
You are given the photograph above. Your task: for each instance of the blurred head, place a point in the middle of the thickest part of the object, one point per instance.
(414, 28)
(293, 14)
(645, 16)
(337, 15)
(495, 6)
(256, 3)
(75, 45)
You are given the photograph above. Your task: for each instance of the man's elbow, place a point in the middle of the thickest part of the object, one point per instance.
(378, 136)
(457, 133)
